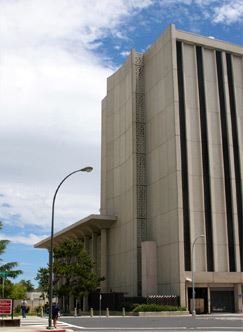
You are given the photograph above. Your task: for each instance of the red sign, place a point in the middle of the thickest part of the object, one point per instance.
(5, 307)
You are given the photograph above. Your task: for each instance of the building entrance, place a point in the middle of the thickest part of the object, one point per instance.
(201, 299)
(222, 300)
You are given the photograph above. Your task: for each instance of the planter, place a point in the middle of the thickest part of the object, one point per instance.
(9, 322)
(161, 313)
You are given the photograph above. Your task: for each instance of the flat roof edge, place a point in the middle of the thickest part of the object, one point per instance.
(208, 41)
(83, 222)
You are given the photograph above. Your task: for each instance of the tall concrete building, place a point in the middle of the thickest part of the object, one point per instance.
(172, 165)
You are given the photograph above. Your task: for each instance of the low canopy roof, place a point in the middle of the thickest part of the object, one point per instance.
(84, 227)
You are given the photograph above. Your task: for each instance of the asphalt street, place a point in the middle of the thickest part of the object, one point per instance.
(185, 323)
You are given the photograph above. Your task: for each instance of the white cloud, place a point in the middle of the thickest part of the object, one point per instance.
(35, 203)
(229, 13)
(217, 11)
(45, 22)
(29, 239)
(206, 2)
(125, 53)
(51, 86)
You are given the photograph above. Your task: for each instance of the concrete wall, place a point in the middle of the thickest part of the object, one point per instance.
(215, 156)
(149, 268)
(118, 180)
(195, 170)
(162, 205)
(216, 163)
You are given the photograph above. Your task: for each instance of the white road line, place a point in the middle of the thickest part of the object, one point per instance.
(198, 329)
(44, 322)
(71, 325)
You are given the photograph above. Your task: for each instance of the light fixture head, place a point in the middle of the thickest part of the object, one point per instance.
(87, 169)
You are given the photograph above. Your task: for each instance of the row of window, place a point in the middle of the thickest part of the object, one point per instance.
(206, 157)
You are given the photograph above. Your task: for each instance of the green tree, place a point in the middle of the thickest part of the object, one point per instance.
(73, 270)
(43, 279)
(18, 291)
(28, 285)
(8, 286)
(9, 268)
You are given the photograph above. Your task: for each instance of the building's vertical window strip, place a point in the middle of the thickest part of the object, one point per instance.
(205, 161)
(141, 188)
(226, 158)
(235, 138)
(184, 161)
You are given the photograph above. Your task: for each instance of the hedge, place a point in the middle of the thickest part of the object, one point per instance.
(157, 307)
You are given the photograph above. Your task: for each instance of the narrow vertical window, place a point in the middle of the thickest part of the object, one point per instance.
(184, 161)
(235, 139)
(226, 159)
(205, 160)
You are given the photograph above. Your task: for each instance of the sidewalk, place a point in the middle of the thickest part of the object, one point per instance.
(35, 324)
(32, 329)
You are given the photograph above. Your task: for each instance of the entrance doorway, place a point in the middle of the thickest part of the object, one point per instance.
(222, 300)
(200, 293)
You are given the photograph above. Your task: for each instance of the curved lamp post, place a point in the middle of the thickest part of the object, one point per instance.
(85, 169)
(193, 280)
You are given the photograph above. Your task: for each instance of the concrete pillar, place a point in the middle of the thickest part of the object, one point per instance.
(149, 268)
(71, 303)
(238, 298)
(85, 303)
(94, 248)
(86, 243)
(103, 260)
(183, 294)
(86, 247)
(209, 301)
(185, 300)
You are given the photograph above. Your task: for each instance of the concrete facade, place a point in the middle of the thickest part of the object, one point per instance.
(172, 165)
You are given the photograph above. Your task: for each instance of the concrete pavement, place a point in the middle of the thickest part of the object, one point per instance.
(36, 324)
(32, 329)
(69, 324)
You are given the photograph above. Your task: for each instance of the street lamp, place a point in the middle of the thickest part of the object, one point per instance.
(193, 280)
(85, 169)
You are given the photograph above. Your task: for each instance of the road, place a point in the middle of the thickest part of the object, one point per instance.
(186, 323)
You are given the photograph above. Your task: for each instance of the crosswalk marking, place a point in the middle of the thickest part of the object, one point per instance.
(43, 322)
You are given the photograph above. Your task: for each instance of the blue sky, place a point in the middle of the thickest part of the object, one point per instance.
(54, 60)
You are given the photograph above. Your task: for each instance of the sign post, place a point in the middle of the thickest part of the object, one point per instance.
(6, 307)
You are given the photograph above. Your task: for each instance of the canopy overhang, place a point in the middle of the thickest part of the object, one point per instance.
(94, 223)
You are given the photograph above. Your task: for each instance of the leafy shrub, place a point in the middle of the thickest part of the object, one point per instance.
(39, 310)
(17, 309)
(157, 307)
(129, 306)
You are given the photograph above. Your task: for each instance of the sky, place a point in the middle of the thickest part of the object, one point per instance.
(55, 57)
